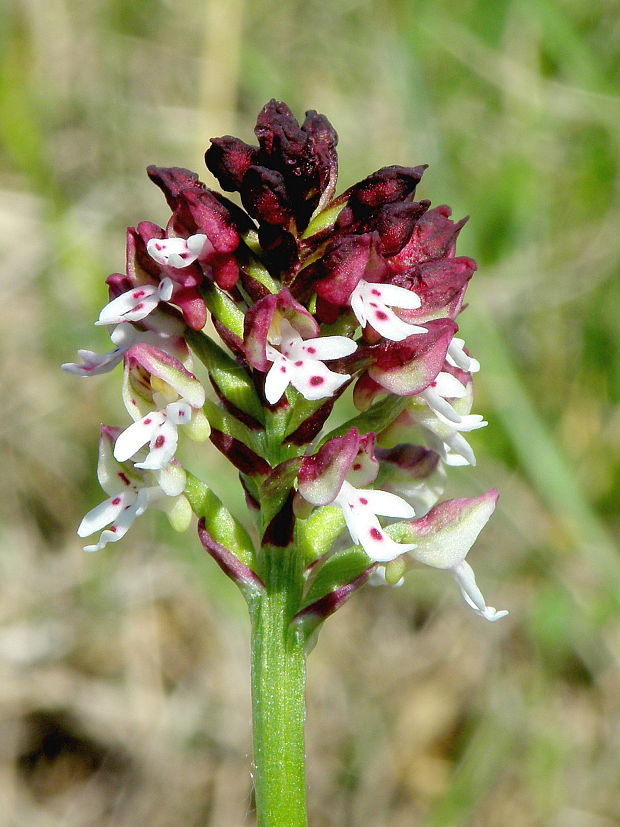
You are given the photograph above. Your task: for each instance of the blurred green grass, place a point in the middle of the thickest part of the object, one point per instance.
(124, 690)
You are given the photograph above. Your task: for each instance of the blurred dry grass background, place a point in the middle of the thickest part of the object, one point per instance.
(124, 676)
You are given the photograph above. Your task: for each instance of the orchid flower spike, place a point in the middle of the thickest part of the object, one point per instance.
(371, 304)
(136, 303)
(176, 252)
(299, 362)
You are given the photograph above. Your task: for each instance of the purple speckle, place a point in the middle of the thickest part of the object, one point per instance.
(137, 294)
(375, 292)
(159, 442)
(299, 363)
(379, 314)
(116, 501)
(376, 534)
(147, 421)
(124, 478)
(310, 350)
(316, 380)
(363, 501)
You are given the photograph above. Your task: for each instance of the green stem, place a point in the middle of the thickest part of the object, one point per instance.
(278, 694)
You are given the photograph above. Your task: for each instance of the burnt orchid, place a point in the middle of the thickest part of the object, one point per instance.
(311, 293)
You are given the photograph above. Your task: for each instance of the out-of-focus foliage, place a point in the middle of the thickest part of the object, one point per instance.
(124, 688)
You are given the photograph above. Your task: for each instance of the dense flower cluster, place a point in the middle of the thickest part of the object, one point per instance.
(310, 293)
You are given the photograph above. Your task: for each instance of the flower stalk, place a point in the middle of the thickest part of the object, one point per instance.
(311, 294)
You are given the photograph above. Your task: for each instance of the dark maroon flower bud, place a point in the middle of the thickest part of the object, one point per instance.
(348, 260)
(264, 196)
(434, 236)
(384, 186)
(323, 139)
(280, 136)
(229, 158)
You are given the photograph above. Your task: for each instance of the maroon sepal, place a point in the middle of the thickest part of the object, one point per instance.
(394, 224)
(434, 236)
(239, 454)
(440, 284)
(408, 367)
(264, 195)
(310, 617)
(280, 531)
(244, 577)
(172, 181)
(321, 475)
(322, 144)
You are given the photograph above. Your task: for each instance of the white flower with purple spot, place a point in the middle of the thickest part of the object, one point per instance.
(360, 507)
(130, 493)
(299, 362)
(136, 303)
(159, 430)
(176, 252)
(371, 304)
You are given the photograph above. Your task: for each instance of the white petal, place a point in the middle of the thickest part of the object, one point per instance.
(449, 386)
(387, 323)
(464, 576)
(328, 347)
(461, 449)
(277, 380)
(179, 413)
(439, 405)
(195, 243)
(313, 379)
(137, 435)
(94, 363)
(124, 522)
(162, 447)
(357, 304)
(394, 296)
(457, 357)
(132, 306)
(124, 335)
(173, 252)
(105, 513)
(386, 504)
(377, 545)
